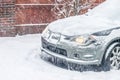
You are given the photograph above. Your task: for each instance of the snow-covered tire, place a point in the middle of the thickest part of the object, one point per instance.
(113, 57)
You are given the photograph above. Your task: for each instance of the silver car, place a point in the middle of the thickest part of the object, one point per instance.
(89, 39)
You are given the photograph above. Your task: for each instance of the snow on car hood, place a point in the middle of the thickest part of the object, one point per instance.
(78, 25)
(102, 17)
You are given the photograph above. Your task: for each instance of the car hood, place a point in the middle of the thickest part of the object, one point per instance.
(78, 25)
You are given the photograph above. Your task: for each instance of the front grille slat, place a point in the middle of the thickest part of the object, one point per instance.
(53, 48)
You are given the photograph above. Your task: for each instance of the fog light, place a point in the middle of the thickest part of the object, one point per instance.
(76, 55)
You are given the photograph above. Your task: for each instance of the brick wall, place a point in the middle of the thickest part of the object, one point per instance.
(32, 16)
(34, 1)
(7, 10)
(36, 15)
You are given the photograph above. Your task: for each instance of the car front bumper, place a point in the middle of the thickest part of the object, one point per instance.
(87, 55)
(47, 54)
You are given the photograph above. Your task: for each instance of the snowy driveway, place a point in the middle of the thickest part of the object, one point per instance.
(19, 60)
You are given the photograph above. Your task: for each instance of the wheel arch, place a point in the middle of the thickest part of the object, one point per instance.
(109, 46)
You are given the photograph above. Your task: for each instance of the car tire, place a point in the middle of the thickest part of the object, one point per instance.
(113, 57)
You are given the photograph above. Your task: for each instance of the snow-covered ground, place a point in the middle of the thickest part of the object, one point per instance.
(19, 60)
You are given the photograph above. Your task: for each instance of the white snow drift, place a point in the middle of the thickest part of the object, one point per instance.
(19, 60)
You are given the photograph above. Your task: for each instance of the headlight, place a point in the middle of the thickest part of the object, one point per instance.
(85, 39)
(80, 40)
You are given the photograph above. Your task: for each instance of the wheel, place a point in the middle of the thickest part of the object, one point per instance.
(113, 59)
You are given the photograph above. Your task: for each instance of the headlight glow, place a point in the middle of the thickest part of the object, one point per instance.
(80, 40)
(85, 39)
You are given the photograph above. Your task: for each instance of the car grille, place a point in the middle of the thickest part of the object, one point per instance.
(51, 47)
